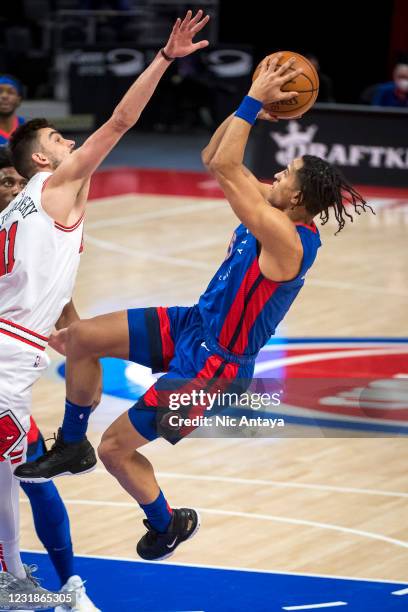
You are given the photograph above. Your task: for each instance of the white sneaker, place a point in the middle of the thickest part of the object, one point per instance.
(10, 585)
(83, 603)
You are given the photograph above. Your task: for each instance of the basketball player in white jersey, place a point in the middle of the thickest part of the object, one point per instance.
(40, 243)
(50, 515)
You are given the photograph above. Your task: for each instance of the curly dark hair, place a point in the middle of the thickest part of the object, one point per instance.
(22, 143)
(5, 158)
(322, 187)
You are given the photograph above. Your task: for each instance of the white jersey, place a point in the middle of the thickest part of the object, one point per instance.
(39, 260)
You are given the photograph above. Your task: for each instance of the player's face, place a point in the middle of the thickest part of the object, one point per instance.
(284, 192)
(11, 183)
(54, 146)
(9, 99)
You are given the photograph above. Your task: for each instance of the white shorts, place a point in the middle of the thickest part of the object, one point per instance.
(20, 367)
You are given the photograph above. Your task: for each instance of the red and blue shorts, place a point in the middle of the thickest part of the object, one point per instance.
(173, 340)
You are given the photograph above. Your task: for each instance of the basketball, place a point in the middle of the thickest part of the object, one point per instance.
(306, 84)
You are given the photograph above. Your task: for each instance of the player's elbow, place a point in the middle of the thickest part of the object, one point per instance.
(222, 167)
(121, 122)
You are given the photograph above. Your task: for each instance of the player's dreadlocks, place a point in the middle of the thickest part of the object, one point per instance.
(322, 187)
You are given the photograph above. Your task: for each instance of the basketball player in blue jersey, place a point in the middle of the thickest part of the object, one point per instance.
(49, 512)
(11, 95)
(213, 344)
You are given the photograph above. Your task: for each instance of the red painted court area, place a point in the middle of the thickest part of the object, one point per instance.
(120, 181)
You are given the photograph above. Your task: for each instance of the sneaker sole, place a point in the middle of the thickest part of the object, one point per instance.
(43, 479)
(192, 534)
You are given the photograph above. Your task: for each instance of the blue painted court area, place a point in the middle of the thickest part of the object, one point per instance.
(131, 586)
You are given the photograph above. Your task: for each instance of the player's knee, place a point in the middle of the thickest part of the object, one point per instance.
(109, 452)
(78, 338)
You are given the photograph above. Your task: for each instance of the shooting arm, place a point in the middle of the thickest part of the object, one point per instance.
(282, 251)
(208, 153)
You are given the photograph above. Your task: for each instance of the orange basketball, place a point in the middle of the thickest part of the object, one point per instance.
(306, 84)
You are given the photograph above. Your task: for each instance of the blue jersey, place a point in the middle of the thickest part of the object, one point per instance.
(5, 136)
(240, 307)
(387, 95)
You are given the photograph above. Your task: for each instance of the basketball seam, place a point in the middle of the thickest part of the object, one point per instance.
(313, 69)
(277, 107)
(290, 110)
(307, 90)
(306, 77)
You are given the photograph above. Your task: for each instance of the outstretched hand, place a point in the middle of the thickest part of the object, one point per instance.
(58, 340)
(267, 87)
(180, 42)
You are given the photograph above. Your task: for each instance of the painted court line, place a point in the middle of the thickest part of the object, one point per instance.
(328, 356)
(253, 516)
(188, 263)
(150, 256)
(274, 483)
(329, 284)
(194, 208)
(229, 568)
(332, 604)
(155, 214)
(402, 592)
(277, 483)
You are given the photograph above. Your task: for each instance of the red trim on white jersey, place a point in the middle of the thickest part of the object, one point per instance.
(70, 228)
(23, 334)
(44, 183)
(64, 228)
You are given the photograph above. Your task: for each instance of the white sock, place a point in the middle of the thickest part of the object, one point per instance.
(10, 559)
(10, 552)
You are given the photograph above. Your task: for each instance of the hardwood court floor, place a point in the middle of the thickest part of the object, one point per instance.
(334, 506)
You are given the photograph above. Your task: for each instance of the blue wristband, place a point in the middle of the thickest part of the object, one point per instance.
(248, 109)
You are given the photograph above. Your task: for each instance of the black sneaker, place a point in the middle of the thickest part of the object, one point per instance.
(63, 459)
(155, 546)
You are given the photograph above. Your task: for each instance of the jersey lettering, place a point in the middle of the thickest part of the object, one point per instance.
(7, 243)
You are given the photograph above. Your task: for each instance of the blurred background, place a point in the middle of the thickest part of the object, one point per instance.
(76, 58)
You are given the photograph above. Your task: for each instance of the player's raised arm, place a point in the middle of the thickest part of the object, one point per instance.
(275, 231)
(208, 153)
(84, 161)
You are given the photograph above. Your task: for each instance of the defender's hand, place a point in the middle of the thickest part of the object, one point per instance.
(58, 340)
(180, 42)
(267, 87)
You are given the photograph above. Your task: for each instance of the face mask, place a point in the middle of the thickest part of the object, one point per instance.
(402, 84)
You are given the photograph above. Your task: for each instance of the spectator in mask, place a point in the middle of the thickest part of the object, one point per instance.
(394, 93)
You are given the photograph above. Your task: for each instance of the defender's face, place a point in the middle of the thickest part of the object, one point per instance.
(285, 190)
(9, 99)
(11, 183)
(54, 146)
